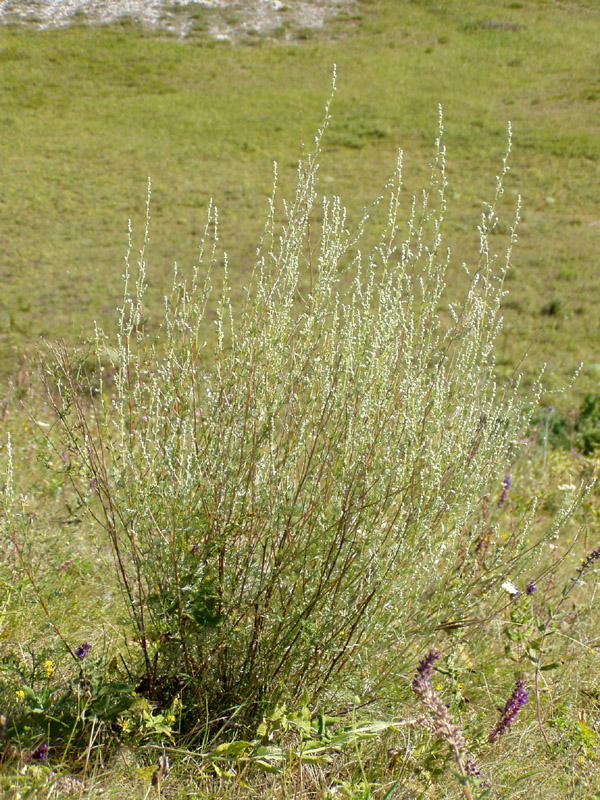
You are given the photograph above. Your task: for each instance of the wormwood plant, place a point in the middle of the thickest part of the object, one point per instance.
(303, 505)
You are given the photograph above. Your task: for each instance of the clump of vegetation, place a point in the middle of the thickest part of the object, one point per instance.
(298, 516)
(267, 512)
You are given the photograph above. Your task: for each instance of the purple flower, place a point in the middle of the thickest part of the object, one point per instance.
(40, 753)
(588, 561)
(473, 770)
(506, 487)
(509, 711)
(440, 721)
(83, 650)
(424, 671)
(531, 588)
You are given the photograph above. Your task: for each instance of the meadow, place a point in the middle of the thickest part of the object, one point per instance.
(302, 523)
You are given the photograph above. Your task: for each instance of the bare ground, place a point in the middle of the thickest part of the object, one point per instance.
(229, 20)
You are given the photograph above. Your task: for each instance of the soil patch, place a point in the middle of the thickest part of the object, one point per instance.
(228, 20)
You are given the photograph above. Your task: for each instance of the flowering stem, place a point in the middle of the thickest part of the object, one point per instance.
(441, 723)
(585, 565)
(464, 785)
(538, 706)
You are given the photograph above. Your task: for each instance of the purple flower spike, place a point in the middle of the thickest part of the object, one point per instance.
(40, 753)
(508, 712)
(531, 588)
(424, 671)
(588, 561)
(506, 487)
(440, 722)
(83, 650)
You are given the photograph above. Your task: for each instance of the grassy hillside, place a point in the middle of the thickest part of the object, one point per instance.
(90, 113)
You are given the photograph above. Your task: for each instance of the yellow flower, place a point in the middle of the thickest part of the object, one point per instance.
(49, 667)
(171, 718)
(20, 694)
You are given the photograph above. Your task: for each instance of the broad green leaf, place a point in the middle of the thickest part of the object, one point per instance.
(231, 748)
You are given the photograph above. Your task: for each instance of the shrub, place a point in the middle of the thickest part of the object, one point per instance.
(296, 510)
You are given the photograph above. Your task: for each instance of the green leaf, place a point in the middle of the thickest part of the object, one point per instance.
(277, 753)
(311, 758)
(272, 769)
(324, 723)
(231, 748)
(117, 687)
(304, 699)
(223, 773)
(390, 791)
(277, 713)
(548, 667)
(532, 655)
(341, 739)
(526, 776)
(371, 728)
(33, 696)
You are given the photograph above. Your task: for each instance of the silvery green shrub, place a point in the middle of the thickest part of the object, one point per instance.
(303, 503)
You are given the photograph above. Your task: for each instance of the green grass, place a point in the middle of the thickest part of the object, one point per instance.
(89, 113)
